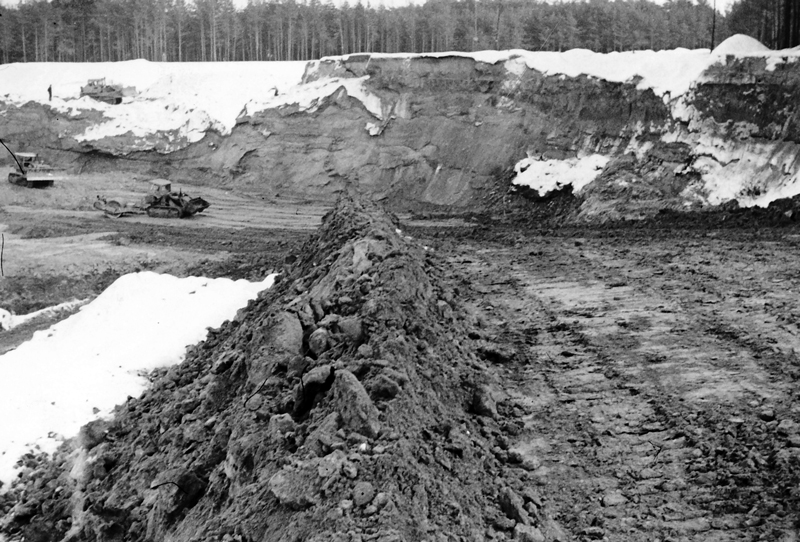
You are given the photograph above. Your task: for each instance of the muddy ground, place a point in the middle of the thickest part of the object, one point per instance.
(650, 368)
(654, 370)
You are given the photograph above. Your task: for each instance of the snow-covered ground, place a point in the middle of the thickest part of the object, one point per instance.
(190, 98)
(83, 366)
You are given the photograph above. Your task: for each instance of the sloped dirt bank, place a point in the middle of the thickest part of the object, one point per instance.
(344, 404)
(448, 130)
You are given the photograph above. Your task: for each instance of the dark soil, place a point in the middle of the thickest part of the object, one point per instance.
(513, 379)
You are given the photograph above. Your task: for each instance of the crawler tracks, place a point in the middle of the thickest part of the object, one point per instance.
(656, 376)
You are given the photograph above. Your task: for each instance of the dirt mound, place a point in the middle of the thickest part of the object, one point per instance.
(343, 404)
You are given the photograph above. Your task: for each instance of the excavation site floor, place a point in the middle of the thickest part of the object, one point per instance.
(654, 372)
(649, 372)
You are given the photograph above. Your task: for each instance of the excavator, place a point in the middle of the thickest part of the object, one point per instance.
(32, 173)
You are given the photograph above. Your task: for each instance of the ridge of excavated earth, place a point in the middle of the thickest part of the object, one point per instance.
(497, 381)
(342, 404)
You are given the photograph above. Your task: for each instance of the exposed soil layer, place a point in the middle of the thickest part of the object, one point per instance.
(451, 128)
(486, 380)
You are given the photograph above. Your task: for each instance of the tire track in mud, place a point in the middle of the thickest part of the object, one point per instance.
(644, 418)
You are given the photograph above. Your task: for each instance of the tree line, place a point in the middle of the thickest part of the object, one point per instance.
(775, 23)
(215, 30)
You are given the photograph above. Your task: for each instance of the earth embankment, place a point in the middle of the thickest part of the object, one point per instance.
(344, 402)
(445, 133)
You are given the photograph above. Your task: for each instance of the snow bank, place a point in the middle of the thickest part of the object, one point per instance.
(309, 96)
(83, 366)
(545, 176)
(189, 98)
(740, 44)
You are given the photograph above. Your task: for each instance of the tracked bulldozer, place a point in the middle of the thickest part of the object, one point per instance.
(162, 202)
(31, 173)
(99, 90)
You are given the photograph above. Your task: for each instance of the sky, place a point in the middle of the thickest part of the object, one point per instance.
(83, 366)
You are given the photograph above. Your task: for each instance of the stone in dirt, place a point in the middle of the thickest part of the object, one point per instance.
(614, 498)
(527, 533)
(483, 402)
(294, 488)
(356, 408)
(383, 387)
(363, 493)
(513, 506)
(322, 439)
(352, 328)
(318, 341)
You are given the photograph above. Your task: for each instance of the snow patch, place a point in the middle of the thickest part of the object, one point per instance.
(740, 44)
(83, 366)
(310, 97)
(546, 176)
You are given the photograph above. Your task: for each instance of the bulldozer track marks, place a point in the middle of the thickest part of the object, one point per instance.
(656, 387)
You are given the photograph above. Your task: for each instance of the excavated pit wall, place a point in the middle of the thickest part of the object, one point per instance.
(343, 404)
(452, 128)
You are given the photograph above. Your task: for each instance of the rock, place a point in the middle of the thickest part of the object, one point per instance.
(504, 523)
(356, 408)
(297, 366)
(613, 498)
(288, 333)
(361, 254)
(323, 437)
(370, 510)
(445, 311)
(318, 341)
(527, 533)
(350, 470)
(483, 403)
(93, 433)
(224, 362)
(365, 351)
(352, 328)
(531, 495)
(513, 506)
(383, 387)
(280, 424)
(331, 464)
(292, 489)
(594, 533)
(381, 500)
(787, 427)
(794, 441)
(179, 489)
(767, 414)
(495, 353)
(317, 376)
(363, 493)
